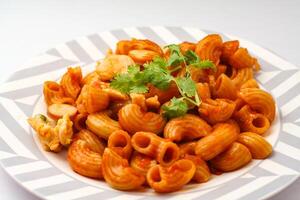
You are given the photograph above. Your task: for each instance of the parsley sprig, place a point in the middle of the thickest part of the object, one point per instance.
(157, 73)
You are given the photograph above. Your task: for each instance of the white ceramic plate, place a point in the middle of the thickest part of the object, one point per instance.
(49, 176)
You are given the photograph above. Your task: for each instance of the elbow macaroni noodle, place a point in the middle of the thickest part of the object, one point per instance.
(102, 124)
(119, 141)
(223, 135)
(163, 150)
(125, 140)
(172, 178)
(70, 82)
(218, 110)
(235, 157)
(118, 173)
(186, 128)
(133, 119)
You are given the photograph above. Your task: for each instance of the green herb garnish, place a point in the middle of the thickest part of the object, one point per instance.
(157, 73)
(131, 82)
(176, 108)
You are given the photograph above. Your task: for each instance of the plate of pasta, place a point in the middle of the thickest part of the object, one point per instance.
(153, 113)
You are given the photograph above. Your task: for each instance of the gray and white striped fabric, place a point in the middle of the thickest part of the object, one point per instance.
(22, 159)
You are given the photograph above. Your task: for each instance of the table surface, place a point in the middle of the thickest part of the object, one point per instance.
(28, 28)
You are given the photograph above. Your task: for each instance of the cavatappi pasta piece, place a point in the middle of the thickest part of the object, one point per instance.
(101, 124)
(210, 48)
(223, 135)
(79, 121)
(56, 111)
(240, 76)
(113, 65)
(251, 83)
(133, 119)
(225, 88)
(118, 174)
(142, 56)
(94, 143)
(92, 99)
(202, 173)
(141, 162)
(53, 93)
(228, 49)
(235, 157)
(203, 91)
(260, 101)
(171, 178)
(52, 136)
(218, 110)
(163, 95)
(164, 151)
(186, 128)
(119, 141)
(259, 147)
(185, 46)
(84, 160)
(242, 59)
(252, 121)
(90, 78)
(71, 82)
(125, 46)
(187, 148)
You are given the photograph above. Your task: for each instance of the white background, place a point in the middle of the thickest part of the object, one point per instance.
(28, 28)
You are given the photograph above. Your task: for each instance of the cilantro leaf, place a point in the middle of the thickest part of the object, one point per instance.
(133, 69)
(192, 59)
(156, 73)
(130, 82)
(186, 86)
(121, 82)
(188, 89)
(205, 64)
(176, 108)
(138, 89)
(160, 62)
(174, 48)
(175, 60)
(176, 57)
